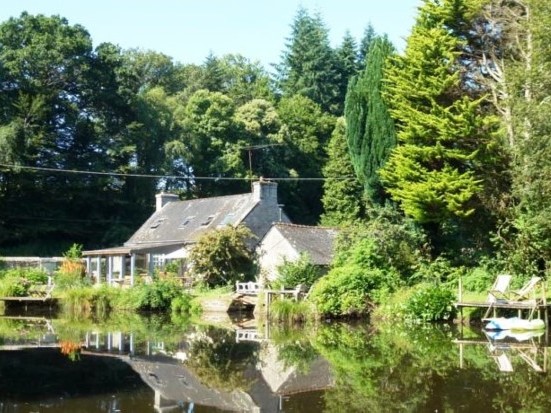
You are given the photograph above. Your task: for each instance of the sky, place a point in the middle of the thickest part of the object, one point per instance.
(189, 30)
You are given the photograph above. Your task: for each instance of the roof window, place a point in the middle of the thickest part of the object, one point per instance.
(207, 221)
(186, 221)
(157, 222)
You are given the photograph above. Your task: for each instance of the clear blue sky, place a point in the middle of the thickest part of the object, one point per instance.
(188, 30)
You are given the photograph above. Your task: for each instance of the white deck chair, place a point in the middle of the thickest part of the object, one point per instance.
(527, 291)
(503, 362)
(498, 291)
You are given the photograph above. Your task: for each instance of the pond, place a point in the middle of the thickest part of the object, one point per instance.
(137, 364)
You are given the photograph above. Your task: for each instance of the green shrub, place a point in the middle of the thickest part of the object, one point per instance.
(430, 303)
(222, 257)
(301, 271)
(181, 304)
(14, 286)
(157, 295)
(349, 290)
(31, 274)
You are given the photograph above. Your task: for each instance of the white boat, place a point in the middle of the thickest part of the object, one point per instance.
(514, 323)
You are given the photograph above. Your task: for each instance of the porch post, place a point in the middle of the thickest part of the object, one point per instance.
(98, 269)
(149, 264)
(109, 269)
(123, 267)
(89, 266)
(132, 268)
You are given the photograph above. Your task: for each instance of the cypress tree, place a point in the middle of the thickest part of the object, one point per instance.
(370, 134)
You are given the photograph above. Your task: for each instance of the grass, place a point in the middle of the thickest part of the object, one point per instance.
(290, 311)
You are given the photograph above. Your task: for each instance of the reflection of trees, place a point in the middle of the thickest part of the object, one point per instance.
(219, 362)
(401, 369)
(294, 348)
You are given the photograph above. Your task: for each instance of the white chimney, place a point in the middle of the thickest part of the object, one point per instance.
(265, 191)
(163, 198)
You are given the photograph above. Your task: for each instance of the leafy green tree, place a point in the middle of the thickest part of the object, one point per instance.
(46, 120)
(260, 138)
(304, 133)
(524, 103)
(342, 193)
(370, 129)
(209, 136)
(433, 172)
(222, 257)
(244, 80)
(308, 65)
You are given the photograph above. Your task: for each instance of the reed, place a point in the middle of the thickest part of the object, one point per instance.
(290, 311)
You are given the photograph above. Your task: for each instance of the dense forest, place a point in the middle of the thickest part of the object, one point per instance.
(442, 151)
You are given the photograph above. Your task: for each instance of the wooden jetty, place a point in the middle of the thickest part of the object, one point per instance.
(537, 304)
(38, 295)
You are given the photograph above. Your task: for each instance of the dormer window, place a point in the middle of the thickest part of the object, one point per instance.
(207, 221)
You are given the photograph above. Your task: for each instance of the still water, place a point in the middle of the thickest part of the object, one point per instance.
(141, 364)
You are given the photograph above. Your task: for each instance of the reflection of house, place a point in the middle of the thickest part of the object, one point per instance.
(287, 242)
(175, 225)
(286, 380)
(174, 385)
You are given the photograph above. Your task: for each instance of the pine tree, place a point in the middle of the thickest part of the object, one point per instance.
(347, 66)
(365, 44)
(308, 66)
(370, 133)
(342, 193)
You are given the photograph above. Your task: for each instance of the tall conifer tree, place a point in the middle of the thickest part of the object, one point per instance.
(342, 197)
(370, 129)
(308, 66)
(433, 172)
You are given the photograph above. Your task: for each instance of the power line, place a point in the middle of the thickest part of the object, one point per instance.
(175, 177)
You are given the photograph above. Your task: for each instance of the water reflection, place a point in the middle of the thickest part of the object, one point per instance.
(154, 364)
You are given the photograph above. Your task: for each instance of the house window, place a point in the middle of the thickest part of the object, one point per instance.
(207, 221)
(158, 260)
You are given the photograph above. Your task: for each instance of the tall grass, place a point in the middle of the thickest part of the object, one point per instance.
(290, 311)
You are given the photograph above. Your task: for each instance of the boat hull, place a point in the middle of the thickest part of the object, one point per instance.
(514, 323)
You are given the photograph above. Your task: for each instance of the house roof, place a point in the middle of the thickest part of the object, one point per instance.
(185, 221)
(317, 242)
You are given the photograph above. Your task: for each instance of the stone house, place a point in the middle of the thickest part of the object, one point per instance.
(285, 241)
(176, 225)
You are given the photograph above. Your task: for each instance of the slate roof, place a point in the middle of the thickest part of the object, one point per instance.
(185, 221)
(318, 242)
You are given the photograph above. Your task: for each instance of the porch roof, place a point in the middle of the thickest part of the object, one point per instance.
(131, 249)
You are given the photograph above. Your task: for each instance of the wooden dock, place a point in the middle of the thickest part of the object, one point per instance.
(520, 306)
(29, 301)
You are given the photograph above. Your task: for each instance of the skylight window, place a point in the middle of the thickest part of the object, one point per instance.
(228, 219)
(186, 221)
(207, 221)
(157, 222)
